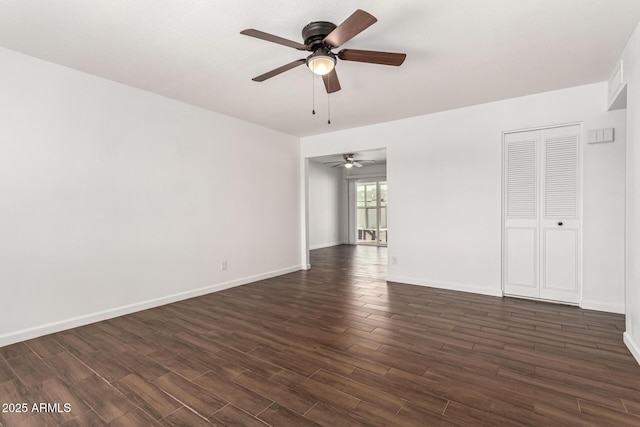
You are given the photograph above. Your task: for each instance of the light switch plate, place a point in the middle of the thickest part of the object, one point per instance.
(600, 135)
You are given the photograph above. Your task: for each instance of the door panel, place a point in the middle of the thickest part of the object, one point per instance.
(522, 261)
(560, 177)
(559, 222)
(560, 275)
(521, 191)
(521, 215)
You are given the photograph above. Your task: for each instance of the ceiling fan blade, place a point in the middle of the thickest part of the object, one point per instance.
(331, 82)
(279, 70)
(351, 27)
(339, 164)
(356, 164)
(274, 39)
(372, 56)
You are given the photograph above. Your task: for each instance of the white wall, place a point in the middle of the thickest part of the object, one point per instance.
(114, 199)
(603, 219)
(444, 174)
(326, 206)
(368, 171)
(631, 59)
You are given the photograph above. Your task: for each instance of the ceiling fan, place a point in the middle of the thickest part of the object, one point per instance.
(320, 38)
(349, 162)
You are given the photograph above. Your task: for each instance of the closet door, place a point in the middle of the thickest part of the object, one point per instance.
(559, 221)
(520, 237)
(541, 236)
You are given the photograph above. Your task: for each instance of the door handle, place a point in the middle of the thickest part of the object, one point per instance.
(560, 223)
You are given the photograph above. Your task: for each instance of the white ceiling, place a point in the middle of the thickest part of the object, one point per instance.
(459, 52)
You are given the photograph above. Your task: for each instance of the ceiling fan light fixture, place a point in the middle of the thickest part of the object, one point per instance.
(321, 62)
(348, 165)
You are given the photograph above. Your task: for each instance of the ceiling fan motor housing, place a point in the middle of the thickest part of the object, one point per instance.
(315, 32)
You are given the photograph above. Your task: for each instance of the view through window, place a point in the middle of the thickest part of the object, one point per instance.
(372, 212)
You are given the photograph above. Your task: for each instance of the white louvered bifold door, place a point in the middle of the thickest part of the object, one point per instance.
(541, 237)
(559, 224)
(520, 252)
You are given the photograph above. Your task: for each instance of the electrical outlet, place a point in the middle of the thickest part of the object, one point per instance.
(394, 260)
(224, 265)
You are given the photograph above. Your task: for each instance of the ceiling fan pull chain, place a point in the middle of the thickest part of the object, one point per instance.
(329, 109)
(313, 91)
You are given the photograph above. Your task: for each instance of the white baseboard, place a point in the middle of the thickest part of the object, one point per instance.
(326, 245)
(462, 287)
(633, 347)
(598, 306)
(50, 328)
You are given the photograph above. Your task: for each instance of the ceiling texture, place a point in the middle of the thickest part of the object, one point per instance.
(459, 52)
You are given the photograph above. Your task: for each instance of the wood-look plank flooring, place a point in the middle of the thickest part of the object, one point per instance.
(332, 346)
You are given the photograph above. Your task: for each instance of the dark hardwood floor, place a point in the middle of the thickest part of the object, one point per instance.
(333, 346)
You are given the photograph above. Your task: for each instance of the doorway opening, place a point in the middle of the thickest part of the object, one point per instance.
(331, 200)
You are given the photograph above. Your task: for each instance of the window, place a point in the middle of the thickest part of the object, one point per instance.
(371, 208)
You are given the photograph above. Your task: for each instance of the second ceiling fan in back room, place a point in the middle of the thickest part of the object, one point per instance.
(349, 162)
(320, 38)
